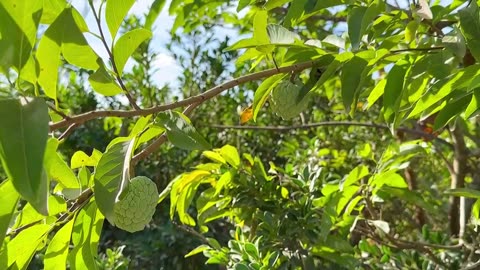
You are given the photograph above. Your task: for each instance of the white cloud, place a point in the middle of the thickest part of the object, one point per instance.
(167, 70)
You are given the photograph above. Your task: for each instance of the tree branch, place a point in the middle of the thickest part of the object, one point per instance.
(68, 131)
(52, 107)
(81, 118)
(427, 49)
(457, 215)
(336, 123)
(112, 59)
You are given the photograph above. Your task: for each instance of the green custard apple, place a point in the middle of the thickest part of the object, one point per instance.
(137, 204)
(285, 99)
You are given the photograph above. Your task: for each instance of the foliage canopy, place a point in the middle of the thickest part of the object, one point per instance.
(324, 134)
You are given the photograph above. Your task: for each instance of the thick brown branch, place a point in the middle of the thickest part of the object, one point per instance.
(81, 118)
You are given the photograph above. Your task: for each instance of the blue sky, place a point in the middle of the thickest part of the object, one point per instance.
(168, 70)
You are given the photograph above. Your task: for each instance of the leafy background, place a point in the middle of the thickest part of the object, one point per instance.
(375, 172)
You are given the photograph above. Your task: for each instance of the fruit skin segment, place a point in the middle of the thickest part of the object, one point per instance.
(137, 204)
(285, 100)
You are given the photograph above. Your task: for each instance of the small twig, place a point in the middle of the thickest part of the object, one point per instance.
(191, 231)
(112, 59)
(149, 149)
(418, 49)
(400, 244)
(62, 114)
(335, 123)
(476, 265)
(80, 201)
(68, 131)
(370, 209)
(24, 227)
(447, 162)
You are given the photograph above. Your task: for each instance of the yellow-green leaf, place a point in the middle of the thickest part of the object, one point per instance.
(127, 44)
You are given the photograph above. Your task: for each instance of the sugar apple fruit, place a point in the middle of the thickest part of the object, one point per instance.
(285, 99)
(137, 204)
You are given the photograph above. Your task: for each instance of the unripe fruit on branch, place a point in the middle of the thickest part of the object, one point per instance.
(286, 101)
(137, 204)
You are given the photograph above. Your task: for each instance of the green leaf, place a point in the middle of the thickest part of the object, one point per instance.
(278, 34)
(126, 46)
(180, 184)
(230, 154)
(389, 178)
(450, 111)
(56, 168)
(394, 91)
(476, 209)
(354, 21)
(463, 78)
(51, 10)
(8, 204)
(197, 250)
(295, 12)
(84, 175)
(474, 104)
(355, 175)
(260, 34)
(263, 92)
(108, 177)
(23, 138)
(183, 202)
(381, 225)
(455, 42)
(180, 131)
(167, 190)
(21, 249)
(126, 168)
(152, 15)
(223, 181)
(63, 36)
(173, 6)
(29, 215)
(406, 195)
(104, 83)
(376, 93)
(464, 192)
(241, 266)
(57, 250)
(359, 18)
(214, 156)
(243, 4)
(330, 3)
(18, 30)
(80, 159)
(351, 78)
(271, 4)
(470, 25)
(115, 12)
(333, 67)
(252, 251)
(86, 234)
(329, 215)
